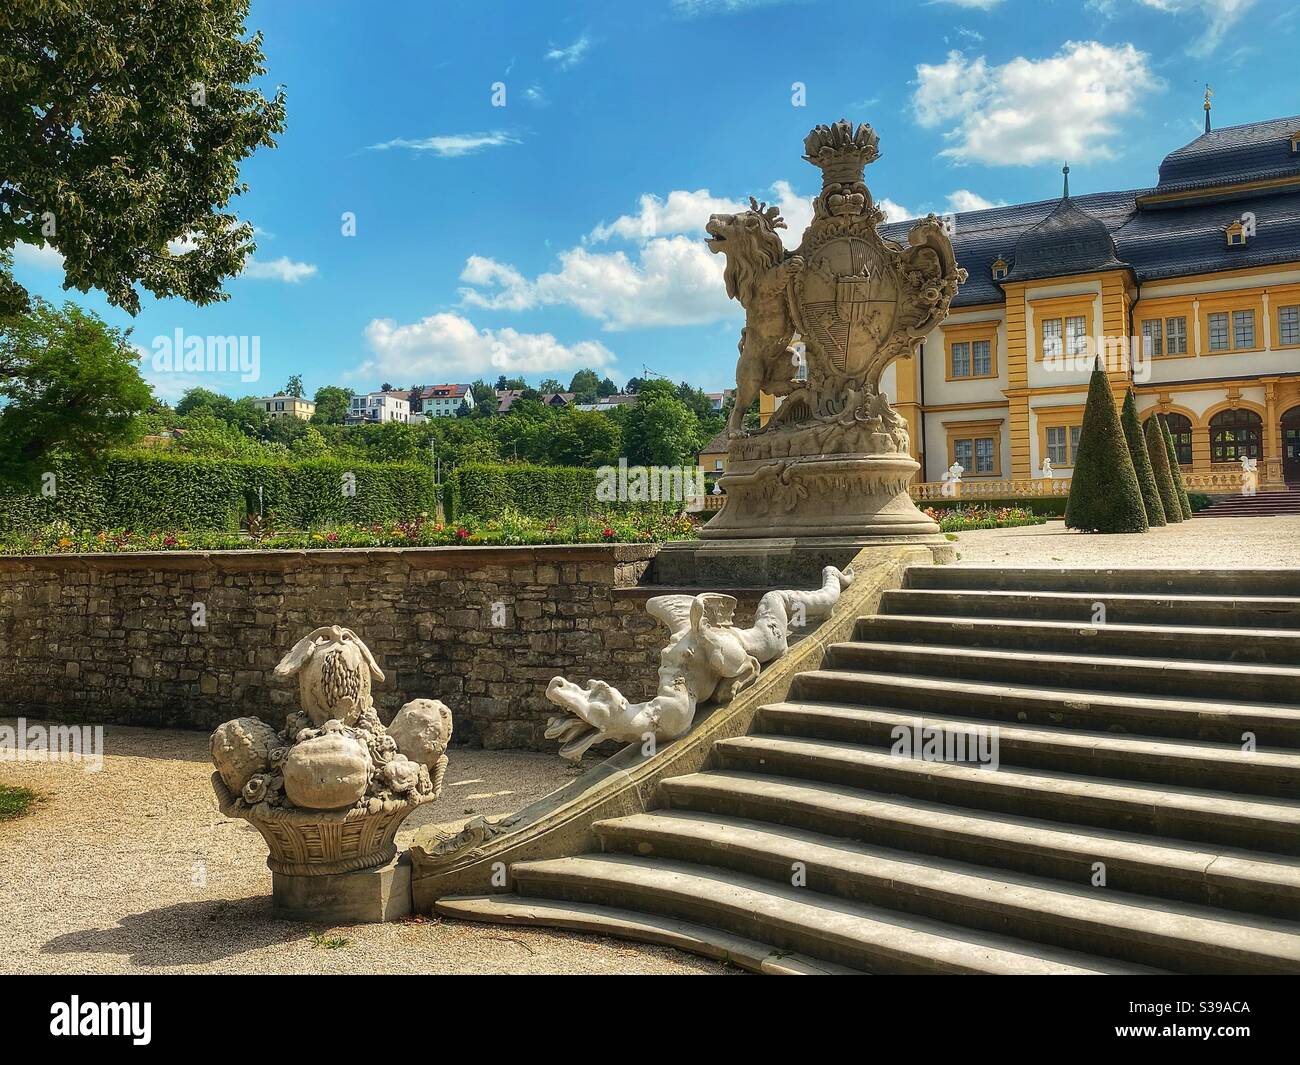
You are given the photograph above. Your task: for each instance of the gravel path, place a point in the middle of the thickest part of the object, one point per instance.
(135, 869)
(1207, 543)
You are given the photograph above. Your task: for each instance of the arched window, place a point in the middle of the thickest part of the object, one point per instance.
(1180, 428)
(1235, 434)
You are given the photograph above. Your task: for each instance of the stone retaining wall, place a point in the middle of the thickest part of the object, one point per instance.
(110, 638)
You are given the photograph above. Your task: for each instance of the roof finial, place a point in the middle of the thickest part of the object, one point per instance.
(1208, 93)
(1065, 192)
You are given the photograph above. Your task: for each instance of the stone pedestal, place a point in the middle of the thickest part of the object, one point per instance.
(366, 896)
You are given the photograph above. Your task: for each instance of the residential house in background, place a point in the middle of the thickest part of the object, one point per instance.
(719, 399)
(713, 458)
(507, 396)
(439, 401)
(379, 407)
(282, 406)
(608, 403)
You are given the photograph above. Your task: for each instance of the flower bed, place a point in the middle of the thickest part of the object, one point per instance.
(965, 519)
(510, 529)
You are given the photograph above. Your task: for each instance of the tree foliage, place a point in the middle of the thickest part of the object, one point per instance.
(1175, 469)
(1104, 492)
(122, 127)
(1160, 467)
(1137, 449)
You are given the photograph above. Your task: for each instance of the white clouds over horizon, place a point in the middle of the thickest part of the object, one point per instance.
(570, 56)
(451, 145)
(1214, 18)
(1029, 111)
(449, 345)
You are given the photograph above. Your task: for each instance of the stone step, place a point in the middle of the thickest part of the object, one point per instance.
(1253, 582)
(1279, 647)
(1224, 611)
(1153, 676)
(1208, 719)
(849, 933)
(1223, 767)
(642, 927)
(1218, 876)
(1167, 811)
(1095, 920)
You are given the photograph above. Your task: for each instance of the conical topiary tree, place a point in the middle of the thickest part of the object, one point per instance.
(1160, 467)
(1104, 491)
(1137, 449)
(1180, 490)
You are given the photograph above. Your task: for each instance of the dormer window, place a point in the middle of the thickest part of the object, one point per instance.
(1000, 269)
(1295, 141)
(1236, 234)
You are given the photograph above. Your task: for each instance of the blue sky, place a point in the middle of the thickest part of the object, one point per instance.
(563, 229)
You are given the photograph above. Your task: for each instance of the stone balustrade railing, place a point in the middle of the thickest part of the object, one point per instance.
(1033, 486)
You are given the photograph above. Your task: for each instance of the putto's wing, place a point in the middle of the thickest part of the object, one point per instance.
(673, 610)
(715, 608)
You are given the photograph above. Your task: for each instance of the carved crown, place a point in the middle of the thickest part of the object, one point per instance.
(841, 151)
(771, 215)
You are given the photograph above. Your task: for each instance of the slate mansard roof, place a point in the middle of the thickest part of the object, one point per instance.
(1178, 234)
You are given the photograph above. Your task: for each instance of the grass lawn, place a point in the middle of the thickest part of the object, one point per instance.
(14, 802)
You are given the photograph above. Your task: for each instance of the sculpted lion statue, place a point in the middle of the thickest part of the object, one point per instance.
(758, 274)
(707, 657)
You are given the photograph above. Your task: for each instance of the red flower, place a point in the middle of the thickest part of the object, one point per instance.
(607, 533)
(332, 536)
(169, 541)
(462, 533)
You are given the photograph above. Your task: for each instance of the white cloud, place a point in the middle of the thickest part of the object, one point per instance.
(281, 269)
(979, 5)
(535, 96)
(1214, 17)
(695, 8)
(565, 58)
(668, 278)
(450, 145)
(1033, 110)
(896, 212)
(40, 257)
(965, 200)
(450, 346)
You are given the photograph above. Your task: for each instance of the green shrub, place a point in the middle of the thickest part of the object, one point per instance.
(1180, 490)
(1104, 492)
(167, 492)
(1137, 449)
(1198, 501)
(1160, 466)
(484, 491)
(1043, 506)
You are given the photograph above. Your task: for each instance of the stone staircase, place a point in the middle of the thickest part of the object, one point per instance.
(807, 846)
(1260, 505)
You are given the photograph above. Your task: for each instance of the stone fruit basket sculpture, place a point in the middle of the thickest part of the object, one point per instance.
(329, 790)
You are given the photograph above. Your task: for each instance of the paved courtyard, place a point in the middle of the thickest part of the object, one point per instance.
(134, 869)
(1204, 543)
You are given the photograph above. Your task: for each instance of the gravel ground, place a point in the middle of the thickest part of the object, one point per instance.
(1207, 543)
(134, 869)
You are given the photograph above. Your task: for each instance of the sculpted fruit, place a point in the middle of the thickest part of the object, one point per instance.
(327, 773)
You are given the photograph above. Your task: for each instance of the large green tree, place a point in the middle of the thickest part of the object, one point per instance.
(1137, 449)
(332, 405)
(1175, 469)
(68, 384)
(122, 127)
(1160, 467)
(1104, 492)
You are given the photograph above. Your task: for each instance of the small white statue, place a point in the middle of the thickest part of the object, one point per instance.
(1249, 476)
(707, 657)
(1047, 469)
(952, 479)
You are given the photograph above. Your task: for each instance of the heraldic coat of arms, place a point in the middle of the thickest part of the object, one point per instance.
(822, 324)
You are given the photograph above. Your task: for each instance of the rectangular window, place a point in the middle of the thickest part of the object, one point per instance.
(1152, 337)
(1176, 336)
(981, 358)
(961, 360)
(984, 455)
(1056, 445)
(1288, 325)
(1218, 322)
(1076, 335)
(961, 453)
(1243, 329)
(1051, 337)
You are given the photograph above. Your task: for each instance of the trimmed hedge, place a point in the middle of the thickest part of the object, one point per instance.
(1104, 493)
(486, 491)
(167, 492)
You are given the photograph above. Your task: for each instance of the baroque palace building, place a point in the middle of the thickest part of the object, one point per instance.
(1202, 271)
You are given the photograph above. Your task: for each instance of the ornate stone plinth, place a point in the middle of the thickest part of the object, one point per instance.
(366, 896)
(834, 495)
